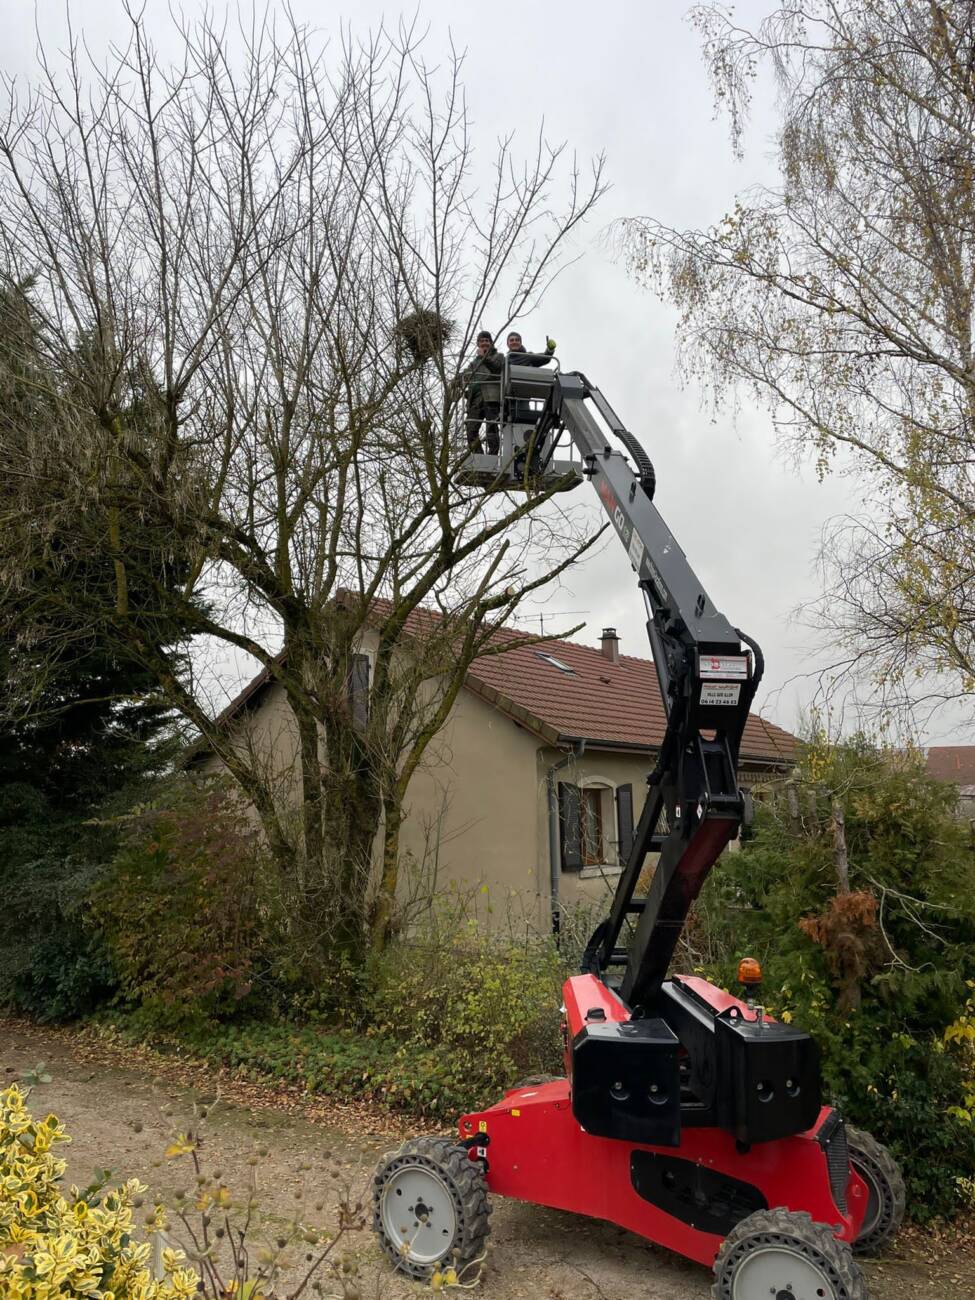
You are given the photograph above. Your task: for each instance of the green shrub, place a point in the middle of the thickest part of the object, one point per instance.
(489, 1004)
(878, 975)
(360, 1064)
(448, 1018)
(184, 913)
(63, 976)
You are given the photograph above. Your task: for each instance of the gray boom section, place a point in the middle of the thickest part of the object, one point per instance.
(707, 683)
(659, 561)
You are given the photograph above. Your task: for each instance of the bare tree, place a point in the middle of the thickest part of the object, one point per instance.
(275, 256)
(842, 299)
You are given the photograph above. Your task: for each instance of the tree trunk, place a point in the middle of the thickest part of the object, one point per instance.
(840, 857)
(311, 793)
(792, 804)
(383, 914)
(338, 898)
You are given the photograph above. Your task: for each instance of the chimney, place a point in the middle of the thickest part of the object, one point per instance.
(610, 645)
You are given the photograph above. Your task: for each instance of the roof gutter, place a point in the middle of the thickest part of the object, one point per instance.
(554, 865)
(637, 747)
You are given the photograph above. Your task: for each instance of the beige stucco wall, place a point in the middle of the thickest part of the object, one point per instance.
(268, 736)
(477, 817)
(471, 808)
(471, 815)
(485, 787)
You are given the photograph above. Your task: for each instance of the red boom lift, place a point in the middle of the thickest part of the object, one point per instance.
(686, 1114)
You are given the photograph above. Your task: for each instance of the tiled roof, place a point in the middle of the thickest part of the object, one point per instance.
(607, 704)
(952, 763)
(615, 704)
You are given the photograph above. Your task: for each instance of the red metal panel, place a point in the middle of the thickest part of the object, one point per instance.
(582, 994)
(585, 993)
(717, 999)
(538, 1153)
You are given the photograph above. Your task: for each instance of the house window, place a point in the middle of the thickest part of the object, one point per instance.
(586, 826)
(556, 663)
(591, 825)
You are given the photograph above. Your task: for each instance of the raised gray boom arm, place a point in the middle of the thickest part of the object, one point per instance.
(708, 679)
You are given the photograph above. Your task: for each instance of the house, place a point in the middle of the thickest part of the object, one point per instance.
(956, 764)
(531, 791)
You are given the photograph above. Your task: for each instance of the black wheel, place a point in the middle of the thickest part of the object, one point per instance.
(779, 1255)
(886, 1196)
(430, 1207)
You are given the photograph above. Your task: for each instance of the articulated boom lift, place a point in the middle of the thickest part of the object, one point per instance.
(686, 1114)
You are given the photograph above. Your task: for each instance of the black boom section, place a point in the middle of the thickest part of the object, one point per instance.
(681, 871)
(707, 683)
(679, 1060)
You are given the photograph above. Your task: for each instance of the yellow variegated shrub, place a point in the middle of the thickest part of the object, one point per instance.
(54, 1246)
(960, 1037)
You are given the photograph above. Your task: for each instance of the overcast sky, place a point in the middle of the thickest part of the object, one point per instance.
(624, 78)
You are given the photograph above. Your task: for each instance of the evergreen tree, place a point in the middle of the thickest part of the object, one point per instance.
(79, 731)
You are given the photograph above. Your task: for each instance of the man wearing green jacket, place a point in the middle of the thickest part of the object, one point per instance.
(519, 356)
(482, 384)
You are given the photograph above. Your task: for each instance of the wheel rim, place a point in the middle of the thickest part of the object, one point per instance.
(875, 1198)
(418, 1213)
(777, 1273)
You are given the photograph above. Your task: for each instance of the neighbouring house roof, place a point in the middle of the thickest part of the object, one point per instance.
(954, 763)
(610, 706)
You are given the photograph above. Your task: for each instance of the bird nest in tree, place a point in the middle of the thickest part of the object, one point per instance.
(423, 334)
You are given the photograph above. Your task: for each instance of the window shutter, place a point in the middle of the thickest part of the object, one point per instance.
(624, 821)
(570, 825)
(359, 690)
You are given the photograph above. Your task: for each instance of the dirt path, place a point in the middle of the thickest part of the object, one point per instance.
(115, 1101)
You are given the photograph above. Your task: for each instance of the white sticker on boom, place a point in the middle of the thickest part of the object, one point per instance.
(719, 693)
(735, 666)
(636, 551)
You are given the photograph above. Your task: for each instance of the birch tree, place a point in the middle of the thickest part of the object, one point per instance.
(841, 298)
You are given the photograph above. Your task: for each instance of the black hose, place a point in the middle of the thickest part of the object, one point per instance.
(590, 957)
(644, 465)
(759, 657)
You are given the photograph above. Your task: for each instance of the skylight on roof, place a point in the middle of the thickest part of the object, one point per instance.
(556, 663)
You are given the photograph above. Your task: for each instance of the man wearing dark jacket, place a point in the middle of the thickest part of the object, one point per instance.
(518, 355)
(482, 383)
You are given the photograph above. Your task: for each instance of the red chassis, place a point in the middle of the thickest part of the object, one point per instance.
(536, 1151)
